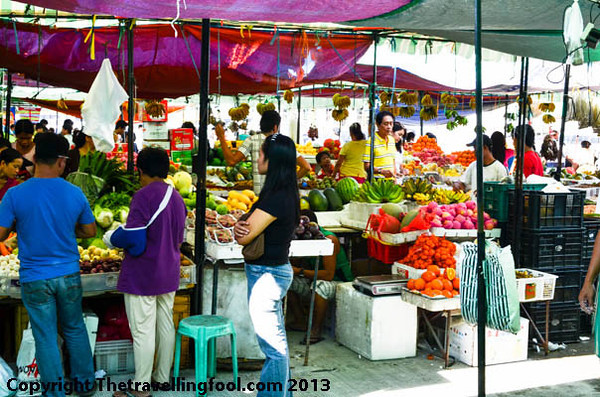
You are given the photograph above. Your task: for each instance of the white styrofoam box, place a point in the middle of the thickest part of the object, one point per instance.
(432, 304)
(464, 233)
(115, 356)
(362, 211)
(378, 328)
(398, 238)
(156, 131)
(298, 248)
(541, 284)
(500, 347)
(91, 324)
(406, 271)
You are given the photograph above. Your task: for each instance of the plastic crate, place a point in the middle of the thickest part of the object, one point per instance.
(549, 210)
(540, 287)
(591, 228)
(564, 321)
(495, 198)
(384, 252)
(568, 286)
(551, 251)
(114, 357)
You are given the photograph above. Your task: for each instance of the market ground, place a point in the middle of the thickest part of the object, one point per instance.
(574, 371)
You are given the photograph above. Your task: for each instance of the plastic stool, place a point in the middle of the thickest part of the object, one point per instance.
(204, 330)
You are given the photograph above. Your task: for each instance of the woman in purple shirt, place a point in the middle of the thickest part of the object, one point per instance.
(149, 281)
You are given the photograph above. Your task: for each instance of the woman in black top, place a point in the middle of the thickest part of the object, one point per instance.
(276, 214)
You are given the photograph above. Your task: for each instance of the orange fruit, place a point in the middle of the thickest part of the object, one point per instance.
(419, 284)
(447, 285)
(428, 276)
(447, 294)
(428, 292)
(410, 284)
(454, 292)
(456, 284)
(450, 273)
(437, 284)
(436, 292)
(435, 269)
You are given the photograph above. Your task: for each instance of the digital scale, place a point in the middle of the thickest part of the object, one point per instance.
(386, 284)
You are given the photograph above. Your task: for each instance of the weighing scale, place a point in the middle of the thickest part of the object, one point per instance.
(385, 284)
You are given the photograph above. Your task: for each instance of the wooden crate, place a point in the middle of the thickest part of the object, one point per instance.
(181, 310)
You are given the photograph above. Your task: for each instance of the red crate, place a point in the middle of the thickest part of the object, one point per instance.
(386, 253)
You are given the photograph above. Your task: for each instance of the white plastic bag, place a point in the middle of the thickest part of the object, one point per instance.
(573, 28)
(27, 366)
(100, 110)
(6, 373)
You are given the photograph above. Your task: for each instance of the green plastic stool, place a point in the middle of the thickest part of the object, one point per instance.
(204, 330)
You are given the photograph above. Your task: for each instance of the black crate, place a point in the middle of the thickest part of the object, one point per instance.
(585, 324)
(568, 285)
(591, 227)
(564, 321)
(549, 210)
(551, 251)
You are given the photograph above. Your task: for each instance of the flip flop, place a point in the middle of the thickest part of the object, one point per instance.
(127, 393)
(313, 340)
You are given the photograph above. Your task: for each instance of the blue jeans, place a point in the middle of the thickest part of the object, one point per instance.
(267, 285)
(45, 300)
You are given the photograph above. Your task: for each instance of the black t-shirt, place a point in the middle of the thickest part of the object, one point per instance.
(278, 234)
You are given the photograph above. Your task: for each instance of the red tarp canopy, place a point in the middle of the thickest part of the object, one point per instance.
(163, 65)
(249, 10)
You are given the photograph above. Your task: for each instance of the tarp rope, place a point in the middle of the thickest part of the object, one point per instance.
(346, 63)
(16, 37)
(187, 45)
(177, 16)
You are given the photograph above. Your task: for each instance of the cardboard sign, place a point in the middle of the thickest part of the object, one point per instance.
(182, 139)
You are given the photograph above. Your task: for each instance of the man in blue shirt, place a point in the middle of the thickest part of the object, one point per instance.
(48, 214)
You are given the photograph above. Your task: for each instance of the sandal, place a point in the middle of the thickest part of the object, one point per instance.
(130, 393)
(313, 340)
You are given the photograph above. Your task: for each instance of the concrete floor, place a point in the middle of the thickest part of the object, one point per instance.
(571, 372)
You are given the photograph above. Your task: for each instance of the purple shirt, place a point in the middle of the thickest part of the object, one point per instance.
(156, 271)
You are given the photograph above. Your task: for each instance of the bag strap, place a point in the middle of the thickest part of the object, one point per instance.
(162, 206)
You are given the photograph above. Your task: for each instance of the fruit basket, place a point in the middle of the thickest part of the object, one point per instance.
(538, 286)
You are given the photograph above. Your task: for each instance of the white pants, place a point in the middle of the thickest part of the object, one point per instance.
(151, 323)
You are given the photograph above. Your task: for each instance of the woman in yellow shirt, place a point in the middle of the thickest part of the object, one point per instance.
(350, 161)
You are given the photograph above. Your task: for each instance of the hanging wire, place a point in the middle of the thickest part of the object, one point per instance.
(219, 63)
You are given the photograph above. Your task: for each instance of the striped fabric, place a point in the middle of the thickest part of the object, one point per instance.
(384, 153)
(468, 282)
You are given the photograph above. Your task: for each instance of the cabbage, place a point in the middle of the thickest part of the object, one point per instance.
(104, 218)
(122, 214)
(114, 225)
(182, 181)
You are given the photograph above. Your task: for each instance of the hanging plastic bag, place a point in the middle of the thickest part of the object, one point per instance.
(101, 108)
(27, 366)
(503, 310)
(6, 373)
(468, 282)
(572, 30)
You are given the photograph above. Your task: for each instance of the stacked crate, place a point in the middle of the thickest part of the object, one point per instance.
(551, 241)
(181, 310)
(591, 227)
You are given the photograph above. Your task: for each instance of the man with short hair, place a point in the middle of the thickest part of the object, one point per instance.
(48, 214)
(269, 125)
(493, 170)
(384, 157)
(66, 131)
(119, 134)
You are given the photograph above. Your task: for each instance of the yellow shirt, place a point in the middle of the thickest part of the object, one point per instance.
(384, 153)
(353, 164)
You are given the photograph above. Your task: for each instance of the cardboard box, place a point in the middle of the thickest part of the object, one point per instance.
(182, 139)
(182, 157)
(500, 347)
(166, 145)
(156, 131)
(378, 328)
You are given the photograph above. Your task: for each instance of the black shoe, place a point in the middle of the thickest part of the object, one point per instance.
(90, 392)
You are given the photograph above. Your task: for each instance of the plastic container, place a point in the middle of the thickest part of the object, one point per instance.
(549, 210)
(568, 286)
(495, 198)
(384, 252)
(538, 288)
(114, 357)
(551, 251)
(591, 228)
(564, 321)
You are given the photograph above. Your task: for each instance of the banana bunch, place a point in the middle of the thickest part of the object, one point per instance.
(380, 191)
(339, 114)
(426, 100)
(428, 113)
(409, 98)
(422, 199)
(384, 97)
(341, 102)
(452, 173)
(155, 109)
(416, 185)
(62, 105)
(529, 100)
(406, 111)
(547, 107)
(288, 96)
(442, 196)
(239, 113)
(450, 101)
(263, 107)
(473, 103)
(548, 119)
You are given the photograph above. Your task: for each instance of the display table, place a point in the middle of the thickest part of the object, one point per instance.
(298, 248)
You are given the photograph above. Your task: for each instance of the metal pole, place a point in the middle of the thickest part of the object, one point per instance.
(481, 298)
(8, 99)
(562, 122)
(420, 106)
(372, 111)
(131, 102)
(505, 115)
(200, 169)
(299, 115)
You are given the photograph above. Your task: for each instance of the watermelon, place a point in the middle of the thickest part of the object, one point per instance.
(347, 188)
(317, 200)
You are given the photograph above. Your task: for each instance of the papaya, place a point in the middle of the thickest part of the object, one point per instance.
(410, 215)
(334, 200)
(392, 209)
(317, 200)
